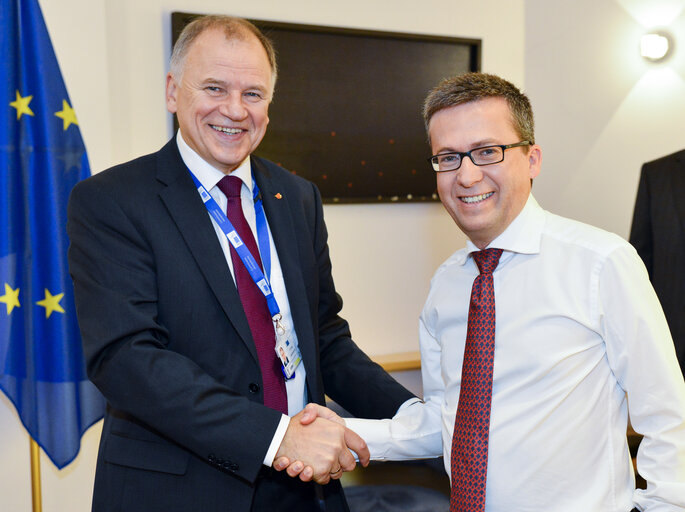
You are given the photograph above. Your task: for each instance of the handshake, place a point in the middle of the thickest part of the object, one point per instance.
(318, 446)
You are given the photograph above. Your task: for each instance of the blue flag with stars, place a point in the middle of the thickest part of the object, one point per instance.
(42, 156)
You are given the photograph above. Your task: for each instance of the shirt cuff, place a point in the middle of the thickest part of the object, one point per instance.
(413, 433)
(276, 441)
(376, 433)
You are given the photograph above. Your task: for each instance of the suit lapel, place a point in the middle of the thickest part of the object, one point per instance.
(190, 215)
(283, 231)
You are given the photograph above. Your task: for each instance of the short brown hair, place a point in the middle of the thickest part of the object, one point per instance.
(233, 27)
(476, 86)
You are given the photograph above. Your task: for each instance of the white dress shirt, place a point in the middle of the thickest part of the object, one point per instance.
(581, 342)
(209, 177)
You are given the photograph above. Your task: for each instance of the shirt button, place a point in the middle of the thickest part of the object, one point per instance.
(254, 388)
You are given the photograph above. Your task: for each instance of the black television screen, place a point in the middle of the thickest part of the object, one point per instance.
(346, 112)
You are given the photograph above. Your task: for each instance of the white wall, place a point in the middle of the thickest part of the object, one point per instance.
(601, 110)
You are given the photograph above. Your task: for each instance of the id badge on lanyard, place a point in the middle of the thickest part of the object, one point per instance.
(287, 351)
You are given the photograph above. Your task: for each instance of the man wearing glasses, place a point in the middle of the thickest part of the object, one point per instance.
(538, 339)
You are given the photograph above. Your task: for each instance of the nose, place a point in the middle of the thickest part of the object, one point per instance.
(469, 173)
(233, 108)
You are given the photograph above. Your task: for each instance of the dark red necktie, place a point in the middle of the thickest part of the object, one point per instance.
(254, 302)
(469, 461)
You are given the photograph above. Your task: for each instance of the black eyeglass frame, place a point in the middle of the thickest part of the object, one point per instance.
(433, 160)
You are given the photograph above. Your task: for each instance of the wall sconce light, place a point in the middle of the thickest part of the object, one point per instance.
(655, 46)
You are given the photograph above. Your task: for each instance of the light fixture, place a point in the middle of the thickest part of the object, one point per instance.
(655, 46)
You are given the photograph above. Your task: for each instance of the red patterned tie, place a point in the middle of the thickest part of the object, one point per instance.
(253, 300)
(469, 461)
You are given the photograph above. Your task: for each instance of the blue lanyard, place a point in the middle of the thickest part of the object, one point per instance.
(243, 252)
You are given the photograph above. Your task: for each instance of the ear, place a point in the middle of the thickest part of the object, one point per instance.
(534, 161)
(171, 92)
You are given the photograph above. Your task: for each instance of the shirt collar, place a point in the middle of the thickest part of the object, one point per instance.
(208, 175)
(522, 236)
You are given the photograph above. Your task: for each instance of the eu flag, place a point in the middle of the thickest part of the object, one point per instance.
(42, 156)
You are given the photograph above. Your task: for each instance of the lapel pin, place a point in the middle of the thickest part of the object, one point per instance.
(278, 195)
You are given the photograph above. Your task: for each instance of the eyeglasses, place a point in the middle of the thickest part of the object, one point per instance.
(479, 156)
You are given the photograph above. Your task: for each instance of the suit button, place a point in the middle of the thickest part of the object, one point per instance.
(254, 388)
(229, 466)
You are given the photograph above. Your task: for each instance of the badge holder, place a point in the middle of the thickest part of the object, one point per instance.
(287, 351)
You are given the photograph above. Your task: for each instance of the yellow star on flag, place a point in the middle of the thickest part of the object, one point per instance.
(22, 105)
(67, 114)
(51, 303)
(11, 298)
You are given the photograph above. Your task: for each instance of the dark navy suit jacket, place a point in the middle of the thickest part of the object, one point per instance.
(167, 341)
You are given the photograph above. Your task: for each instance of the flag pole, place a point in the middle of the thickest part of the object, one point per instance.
(35, 477)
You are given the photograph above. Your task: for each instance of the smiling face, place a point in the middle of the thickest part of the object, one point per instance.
(483, 200)
(222, 97)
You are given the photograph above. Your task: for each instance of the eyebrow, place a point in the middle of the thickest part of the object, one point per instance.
(478, 144)
(483, 143)
(224, 84)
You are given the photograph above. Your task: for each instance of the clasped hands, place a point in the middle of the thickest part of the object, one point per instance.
(317, 446)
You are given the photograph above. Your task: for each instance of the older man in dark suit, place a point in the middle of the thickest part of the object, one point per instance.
(658, 234)
(182, 324)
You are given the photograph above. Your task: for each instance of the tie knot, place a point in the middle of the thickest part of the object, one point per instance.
(487, 260)
(230, 186)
